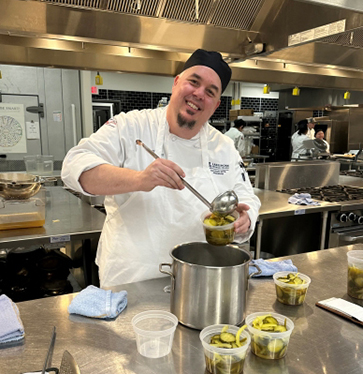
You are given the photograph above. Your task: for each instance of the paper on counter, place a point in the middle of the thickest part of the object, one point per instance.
(345, 307)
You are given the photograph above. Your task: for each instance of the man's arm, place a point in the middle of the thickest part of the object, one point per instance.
(107, 179)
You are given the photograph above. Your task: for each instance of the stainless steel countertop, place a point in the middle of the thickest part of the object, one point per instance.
(321, 342)
(350, 181)
(65, 215)
(275, 204)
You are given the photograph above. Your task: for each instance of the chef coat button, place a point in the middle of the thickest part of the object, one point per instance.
(173, 138)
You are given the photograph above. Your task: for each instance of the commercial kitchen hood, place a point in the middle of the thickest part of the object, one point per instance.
(157, 36)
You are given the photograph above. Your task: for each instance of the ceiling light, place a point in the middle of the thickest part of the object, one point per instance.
(296, 91)
(347, 95)
(266, 89)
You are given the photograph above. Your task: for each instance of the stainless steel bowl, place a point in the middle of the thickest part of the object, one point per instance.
(20, 185)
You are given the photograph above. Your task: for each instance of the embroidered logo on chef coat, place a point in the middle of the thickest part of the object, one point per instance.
(218, 169)
(112, 122)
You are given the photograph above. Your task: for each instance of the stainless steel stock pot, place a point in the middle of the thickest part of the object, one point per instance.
(208, 284)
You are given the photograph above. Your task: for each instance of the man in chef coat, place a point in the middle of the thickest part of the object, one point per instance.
(311, 130)
(148, 209)
(235, 133)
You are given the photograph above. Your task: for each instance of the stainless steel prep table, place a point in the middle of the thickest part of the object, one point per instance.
(66, 218)
(321, 342)
(275, 205)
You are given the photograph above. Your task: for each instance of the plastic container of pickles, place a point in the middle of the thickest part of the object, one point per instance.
(291, 288)
(271, 344)
(220, 230)
(224, 360)
(355, 273)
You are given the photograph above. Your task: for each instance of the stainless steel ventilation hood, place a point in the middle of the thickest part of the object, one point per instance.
(157, 36)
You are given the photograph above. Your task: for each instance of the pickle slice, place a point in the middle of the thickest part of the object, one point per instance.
(227, 337)
(228, 340)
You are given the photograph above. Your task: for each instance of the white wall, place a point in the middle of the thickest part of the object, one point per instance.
(256, 90)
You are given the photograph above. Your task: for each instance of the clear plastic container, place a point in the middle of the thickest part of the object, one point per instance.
(355, 273)
(39, 164)
(154, 331)
(224, 360)
(269, 345)
(291, 294)
(219, 235)
(19, 214)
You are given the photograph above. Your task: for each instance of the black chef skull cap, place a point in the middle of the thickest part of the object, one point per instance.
(212, 60)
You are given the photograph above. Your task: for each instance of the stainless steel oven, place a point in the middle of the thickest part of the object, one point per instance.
(346, 227)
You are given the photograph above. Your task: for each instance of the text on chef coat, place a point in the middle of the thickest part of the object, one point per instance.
(218, 169)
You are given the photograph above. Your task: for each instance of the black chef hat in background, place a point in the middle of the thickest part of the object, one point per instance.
(212, 60)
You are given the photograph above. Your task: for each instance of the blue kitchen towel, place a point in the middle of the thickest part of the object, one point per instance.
(269, 268)
(97, 303)
(302, 199)
(11, 327)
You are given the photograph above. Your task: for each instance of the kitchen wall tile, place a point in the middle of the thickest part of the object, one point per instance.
(131, 100)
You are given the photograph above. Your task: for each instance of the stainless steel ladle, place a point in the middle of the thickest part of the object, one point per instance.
(224, 204)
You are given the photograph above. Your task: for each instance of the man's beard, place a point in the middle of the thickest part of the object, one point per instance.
(182, 122)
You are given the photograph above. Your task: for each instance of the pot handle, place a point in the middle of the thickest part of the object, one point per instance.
(164, 271)
(259, 271)
(167, 288)
(47, 179)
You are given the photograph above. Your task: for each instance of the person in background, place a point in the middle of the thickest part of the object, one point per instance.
(311, 131)
(298, 138)
(319, 134)
(236, 134)
(149, 211)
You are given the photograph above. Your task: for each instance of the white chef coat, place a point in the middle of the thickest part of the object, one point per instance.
(141, 228)
(311, 133)
(297, 145)
(238, 139)
(327, 146)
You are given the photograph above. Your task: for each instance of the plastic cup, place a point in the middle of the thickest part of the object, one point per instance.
(269, 345)
(219, 235)
(223, 360)
(291, 294)
(355, 273)
(154, 331)
(39, 164)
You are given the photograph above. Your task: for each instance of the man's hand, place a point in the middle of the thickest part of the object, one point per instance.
(162, 172)
(243, 223)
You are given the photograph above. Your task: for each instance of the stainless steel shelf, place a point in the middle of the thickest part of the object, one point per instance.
(65, 216)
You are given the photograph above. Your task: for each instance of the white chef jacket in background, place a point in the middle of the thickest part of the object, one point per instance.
(238, 140)
(311, 133)
(327, 146)
(141, 228)
(297, 145)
